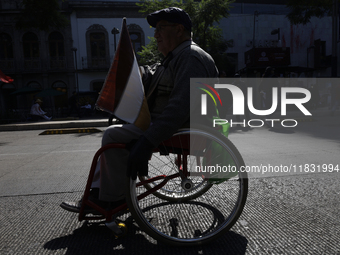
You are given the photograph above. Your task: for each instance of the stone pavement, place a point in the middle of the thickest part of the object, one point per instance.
(103, 122)
(283, 215)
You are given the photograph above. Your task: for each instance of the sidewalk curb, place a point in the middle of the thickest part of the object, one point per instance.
(88, 123)
(43, 125)
(70, 131)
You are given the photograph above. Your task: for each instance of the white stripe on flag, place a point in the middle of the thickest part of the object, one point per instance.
(132, 98)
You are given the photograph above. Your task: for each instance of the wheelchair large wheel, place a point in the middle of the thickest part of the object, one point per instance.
(216, 201)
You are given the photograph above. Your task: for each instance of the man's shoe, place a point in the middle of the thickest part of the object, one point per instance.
(75, 206)
(71, 206)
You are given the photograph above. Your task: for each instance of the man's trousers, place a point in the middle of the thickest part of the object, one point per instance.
(111, 172)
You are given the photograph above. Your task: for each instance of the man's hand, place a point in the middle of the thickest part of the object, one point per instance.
(140, 152)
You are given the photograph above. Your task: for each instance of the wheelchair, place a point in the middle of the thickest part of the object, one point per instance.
(194, 192)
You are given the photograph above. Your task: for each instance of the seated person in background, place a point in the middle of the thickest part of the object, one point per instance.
(86, 108)
(168, 96)
(37, 111)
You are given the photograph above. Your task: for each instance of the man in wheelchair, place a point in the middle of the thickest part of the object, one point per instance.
(167, 89)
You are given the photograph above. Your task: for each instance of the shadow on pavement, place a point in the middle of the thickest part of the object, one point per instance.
(96, 238)
(281, 130)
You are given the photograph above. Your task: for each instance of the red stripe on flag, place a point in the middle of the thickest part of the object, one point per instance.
(4, 78)
(118, 74)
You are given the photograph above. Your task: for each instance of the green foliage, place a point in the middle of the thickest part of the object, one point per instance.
(149, 6)
(301, 11)
(41, 14)
(205, 16)
(150, 54)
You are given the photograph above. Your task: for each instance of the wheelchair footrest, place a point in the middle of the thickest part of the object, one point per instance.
(113, 226)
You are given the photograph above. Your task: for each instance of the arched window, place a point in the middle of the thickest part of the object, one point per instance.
(6, 51)
(34, 84)
(62, 100)
(97, 47)
(137, 37)
(136, 41)
(56, 50)
(60, 86)
(31, 45)
(31, 50)
(97, 41)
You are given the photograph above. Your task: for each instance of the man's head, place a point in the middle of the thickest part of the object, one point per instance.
(173, 26)
(38, 101)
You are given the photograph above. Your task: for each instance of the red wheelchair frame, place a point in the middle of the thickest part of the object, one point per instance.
(172, 145)
(185, 156)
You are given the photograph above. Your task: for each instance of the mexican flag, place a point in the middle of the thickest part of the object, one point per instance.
(123, 92)
(4, 78)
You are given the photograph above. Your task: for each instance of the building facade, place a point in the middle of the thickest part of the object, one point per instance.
(77, 58)
(263, 36)
(95, 31)
(35, 59)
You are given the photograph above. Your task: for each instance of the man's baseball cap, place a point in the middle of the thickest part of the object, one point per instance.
(171, 14)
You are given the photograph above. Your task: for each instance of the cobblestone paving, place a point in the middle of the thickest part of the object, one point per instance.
(295, 215)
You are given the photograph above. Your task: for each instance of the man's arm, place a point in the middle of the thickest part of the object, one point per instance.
(177, 111)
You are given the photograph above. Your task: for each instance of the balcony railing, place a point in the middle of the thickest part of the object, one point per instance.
(58, 62)
(32, 64)
(52, 63)
(96, 63)
(7, 65)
